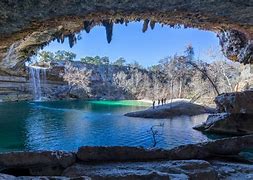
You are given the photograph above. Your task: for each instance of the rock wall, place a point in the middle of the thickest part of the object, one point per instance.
(33, 24)
(14, 88)
(235, 117)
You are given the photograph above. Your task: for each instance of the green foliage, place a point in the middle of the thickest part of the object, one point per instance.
(155, 68)
(135, 64)
(64, 56)
(97, 60)
(189, 52)
(47, 56)
(119, 62)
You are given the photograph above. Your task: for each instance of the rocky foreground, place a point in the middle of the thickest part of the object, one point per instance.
(235, 115)
(171, 110)
(218, 159)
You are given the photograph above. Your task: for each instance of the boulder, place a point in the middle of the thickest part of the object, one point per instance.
(177, 108)
(226, 146)
(36, 163)
(7, 177)
(237, 102)
(226, 123)
(233, 170)
(119, 153)
(191, 169)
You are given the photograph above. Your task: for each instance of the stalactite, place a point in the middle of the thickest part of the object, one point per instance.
(145, 25)
(58, 39)
(126, 22)
(119, 21)
(62, 38)
(87, 25)
(108, 24)
(152, 25)
(72, 40)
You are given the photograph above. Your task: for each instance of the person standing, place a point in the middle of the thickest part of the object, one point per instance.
(153, 104)
(158, 102)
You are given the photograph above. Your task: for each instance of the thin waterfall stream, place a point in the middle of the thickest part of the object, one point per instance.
(37, 76)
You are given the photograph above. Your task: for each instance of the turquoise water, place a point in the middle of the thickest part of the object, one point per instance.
(67, 125)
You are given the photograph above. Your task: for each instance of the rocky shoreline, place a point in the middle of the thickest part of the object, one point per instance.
(235, 115)
(194, 161)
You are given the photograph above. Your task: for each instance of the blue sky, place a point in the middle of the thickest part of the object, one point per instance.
(134, 45)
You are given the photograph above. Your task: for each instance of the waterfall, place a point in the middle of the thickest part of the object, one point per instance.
(37, 76)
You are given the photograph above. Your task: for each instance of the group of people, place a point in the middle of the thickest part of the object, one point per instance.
(160, 101)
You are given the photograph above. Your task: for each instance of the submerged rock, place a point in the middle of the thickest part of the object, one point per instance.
(237, 124)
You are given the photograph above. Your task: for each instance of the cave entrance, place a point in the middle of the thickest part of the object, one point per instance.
(137, 60)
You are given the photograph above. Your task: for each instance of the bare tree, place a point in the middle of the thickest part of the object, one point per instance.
(76, 77)
(155, 133)
(204, 72)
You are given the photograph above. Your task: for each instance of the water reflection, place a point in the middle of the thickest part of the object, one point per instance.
(67, 125)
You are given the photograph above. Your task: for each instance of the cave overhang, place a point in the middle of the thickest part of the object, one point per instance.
(26, 26)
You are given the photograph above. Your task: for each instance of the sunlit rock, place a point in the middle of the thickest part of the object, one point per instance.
(237, 102)
(236, 46)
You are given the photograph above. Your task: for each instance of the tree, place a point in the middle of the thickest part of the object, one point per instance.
(64, 56)
(119, 62)
(189, 52)
(97, 60)
(135, 64)
(76, 77)
(46, 56)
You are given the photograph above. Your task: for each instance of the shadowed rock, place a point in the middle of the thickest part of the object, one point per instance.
(87, 26)
(233, 19)
(191, 169)
(228, 146)
(237, 124)
(109, 29)
(125, 162)
(152, 24)
(145, 25)
(37, 163)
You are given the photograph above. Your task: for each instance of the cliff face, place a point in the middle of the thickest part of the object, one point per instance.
(26, 26)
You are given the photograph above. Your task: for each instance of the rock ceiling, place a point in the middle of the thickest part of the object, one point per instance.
(28, 25)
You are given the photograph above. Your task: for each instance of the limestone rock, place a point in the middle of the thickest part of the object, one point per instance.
(171, 110)
(191, 169)
(236, 46)
(233, 170)
(237, 124)
(227, 146)
(37, 163)
(118, 153)
(7, 177)
(237, 102)
(26, 26)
